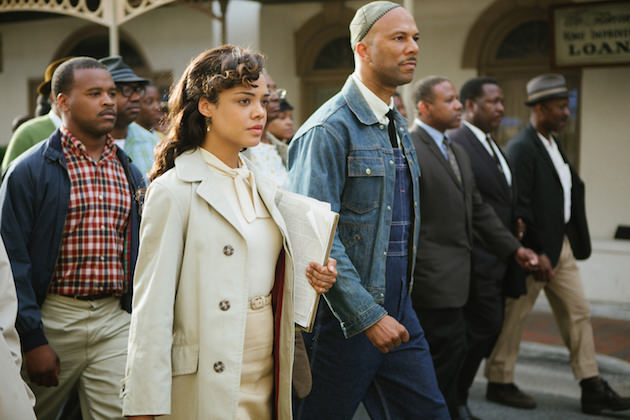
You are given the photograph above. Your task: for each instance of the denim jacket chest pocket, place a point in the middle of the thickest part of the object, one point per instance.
(363, 192)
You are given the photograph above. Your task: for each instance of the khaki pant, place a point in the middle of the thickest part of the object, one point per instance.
(90, 338)
(571, 310)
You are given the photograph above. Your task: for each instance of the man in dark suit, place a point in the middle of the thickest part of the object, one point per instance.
(551, 202)
(452, 210)
(491, 277)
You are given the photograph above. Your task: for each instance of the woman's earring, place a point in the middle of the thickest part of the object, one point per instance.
(208, 124)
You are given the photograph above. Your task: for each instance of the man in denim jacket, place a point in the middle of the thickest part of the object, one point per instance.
(355, 152)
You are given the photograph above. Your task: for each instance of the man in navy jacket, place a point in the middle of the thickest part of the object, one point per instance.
(70, 222)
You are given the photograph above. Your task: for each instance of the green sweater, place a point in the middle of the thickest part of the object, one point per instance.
(27, 135)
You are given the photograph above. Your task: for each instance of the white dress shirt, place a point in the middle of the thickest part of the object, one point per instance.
(563, 170)
(485, 139)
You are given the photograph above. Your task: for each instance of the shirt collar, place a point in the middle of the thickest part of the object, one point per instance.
(376, 104)
(476, 131)
(55, 118)
(549, 143)
(75, 147)
(436, 135)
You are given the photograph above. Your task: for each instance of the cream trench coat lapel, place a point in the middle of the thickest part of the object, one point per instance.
(192, 168)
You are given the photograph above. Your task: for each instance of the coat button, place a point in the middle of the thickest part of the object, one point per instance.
(224, 305)
(219, 367)
(228, 250)
(368, 171)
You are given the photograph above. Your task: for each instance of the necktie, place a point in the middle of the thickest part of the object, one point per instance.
(391, 129)
(451, 159)
(493, 153)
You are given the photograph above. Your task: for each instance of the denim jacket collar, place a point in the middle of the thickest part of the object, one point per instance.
(357, 104)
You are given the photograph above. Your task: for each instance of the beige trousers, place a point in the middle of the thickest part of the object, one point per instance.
(256, 392)
(15, 398)
(571, 310)
(90, 339)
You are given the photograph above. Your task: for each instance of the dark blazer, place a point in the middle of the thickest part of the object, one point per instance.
(541, 199)
(489, 272)
(449, 214)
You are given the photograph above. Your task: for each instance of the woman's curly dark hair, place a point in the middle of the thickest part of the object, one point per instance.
(207, 75)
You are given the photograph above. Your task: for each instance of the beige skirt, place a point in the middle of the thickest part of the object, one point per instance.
(256, 392)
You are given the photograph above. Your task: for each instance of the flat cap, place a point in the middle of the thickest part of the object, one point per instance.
(545, 87)
(120, 71)
(366, 17)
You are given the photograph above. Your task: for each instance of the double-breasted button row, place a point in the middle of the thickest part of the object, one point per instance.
(219, 367)
(228, 250)
(224, 305)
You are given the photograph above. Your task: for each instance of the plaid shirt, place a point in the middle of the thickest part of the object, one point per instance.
(93, 251)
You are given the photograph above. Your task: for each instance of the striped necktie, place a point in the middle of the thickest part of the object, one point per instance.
(451, 159)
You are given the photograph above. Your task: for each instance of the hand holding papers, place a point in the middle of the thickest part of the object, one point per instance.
(311, 228)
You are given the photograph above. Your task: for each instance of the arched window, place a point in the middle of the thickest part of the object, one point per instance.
(324, 57)
(93, 41)
(334, 55)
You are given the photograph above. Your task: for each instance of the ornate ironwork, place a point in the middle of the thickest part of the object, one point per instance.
(104, 12)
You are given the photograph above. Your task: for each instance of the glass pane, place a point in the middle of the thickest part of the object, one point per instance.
(527, 41)
(337, 54)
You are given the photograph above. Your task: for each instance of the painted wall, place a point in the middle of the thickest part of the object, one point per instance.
(605, 148)
(27, 48)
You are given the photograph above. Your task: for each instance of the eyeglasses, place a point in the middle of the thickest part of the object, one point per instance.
(128, 90)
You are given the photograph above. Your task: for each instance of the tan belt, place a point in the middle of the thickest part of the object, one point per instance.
(258, 302)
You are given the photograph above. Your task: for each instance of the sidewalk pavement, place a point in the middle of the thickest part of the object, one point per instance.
(543, 368)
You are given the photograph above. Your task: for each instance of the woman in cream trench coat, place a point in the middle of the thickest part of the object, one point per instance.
(188, 329)
(205, 346)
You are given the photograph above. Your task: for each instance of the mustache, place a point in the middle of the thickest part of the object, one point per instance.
(108, 111)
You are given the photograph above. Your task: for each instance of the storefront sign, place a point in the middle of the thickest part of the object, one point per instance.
(589, 34)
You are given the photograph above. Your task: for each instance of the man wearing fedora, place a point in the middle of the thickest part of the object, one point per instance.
(551, 202)
(37, 129)
(135, 140)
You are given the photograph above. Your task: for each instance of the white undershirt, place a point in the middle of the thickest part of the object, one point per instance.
(563, 170)
(481, 136)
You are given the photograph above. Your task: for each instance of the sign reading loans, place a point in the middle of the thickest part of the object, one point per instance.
(590, 34)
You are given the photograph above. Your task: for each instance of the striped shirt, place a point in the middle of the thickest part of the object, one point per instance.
(93, 249)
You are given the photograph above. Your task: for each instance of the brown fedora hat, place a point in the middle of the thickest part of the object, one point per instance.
(545, 87)
(44, 87)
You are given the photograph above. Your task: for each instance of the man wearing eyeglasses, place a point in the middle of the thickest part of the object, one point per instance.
(135, 140)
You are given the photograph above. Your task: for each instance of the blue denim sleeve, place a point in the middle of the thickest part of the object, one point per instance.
(317, 168)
